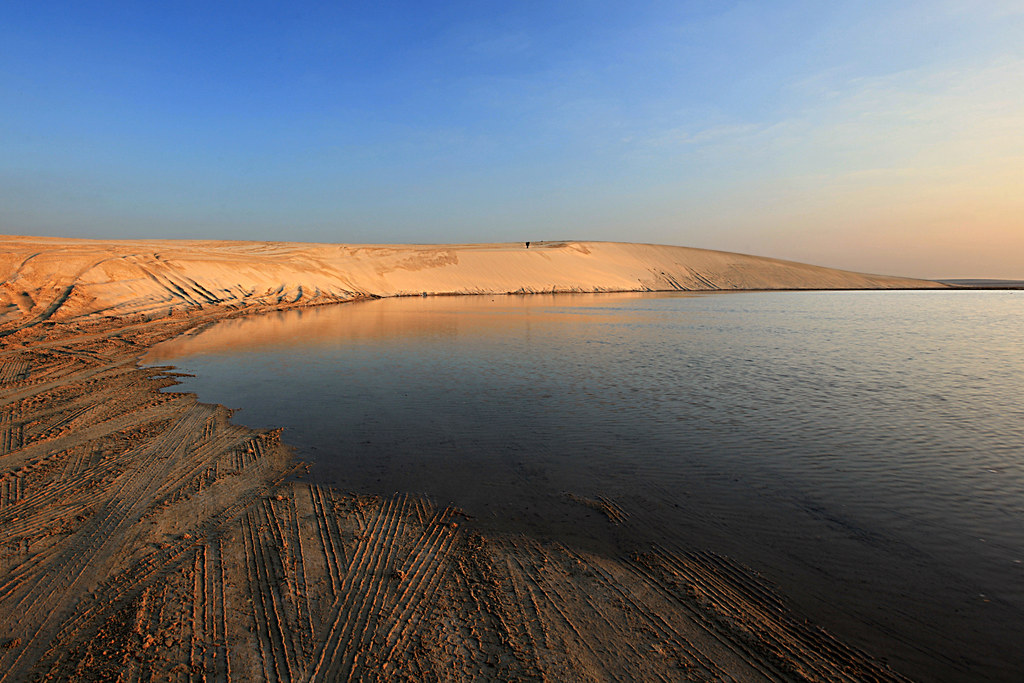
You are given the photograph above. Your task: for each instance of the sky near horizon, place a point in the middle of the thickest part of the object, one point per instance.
(882, 137)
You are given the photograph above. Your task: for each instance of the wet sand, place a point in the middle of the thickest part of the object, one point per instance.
(143, 536)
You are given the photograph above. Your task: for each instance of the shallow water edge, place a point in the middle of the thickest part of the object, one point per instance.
(720, 493)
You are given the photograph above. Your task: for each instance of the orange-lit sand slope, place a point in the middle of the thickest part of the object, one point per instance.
(62, 279)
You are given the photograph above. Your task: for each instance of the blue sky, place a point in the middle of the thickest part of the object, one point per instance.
(877, 136)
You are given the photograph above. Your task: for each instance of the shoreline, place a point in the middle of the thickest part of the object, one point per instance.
(59, 280)
(143, 532)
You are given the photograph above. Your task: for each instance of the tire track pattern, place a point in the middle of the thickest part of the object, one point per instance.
(143, 537)
(733, 600)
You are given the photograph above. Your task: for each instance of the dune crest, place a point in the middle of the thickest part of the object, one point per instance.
(66, 279)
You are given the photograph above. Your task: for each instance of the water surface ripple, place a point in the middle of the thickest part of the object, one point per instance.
(864, 450)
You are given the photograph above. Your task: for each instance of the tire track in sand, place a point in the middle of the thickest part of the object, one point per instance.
(38, 606)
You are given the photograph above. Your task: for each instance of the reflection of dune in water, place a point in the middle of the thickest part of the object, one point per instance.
(403, 318)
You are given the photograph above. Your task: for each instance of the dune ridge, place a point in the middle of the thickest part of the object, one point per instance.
(67, 279)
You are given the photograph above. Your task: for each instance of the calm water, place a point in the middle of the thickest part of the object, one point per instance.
(862, 450)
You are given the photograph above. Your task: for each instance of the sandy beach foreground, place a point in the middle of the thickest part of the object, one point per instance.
(143, 536)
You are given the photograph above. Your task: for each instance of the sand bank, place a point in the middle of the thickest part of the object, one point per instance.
(63, 279)
(143, 536)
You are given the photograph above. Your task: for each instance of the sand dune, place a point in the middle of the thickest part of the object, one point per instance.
(64, 279)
